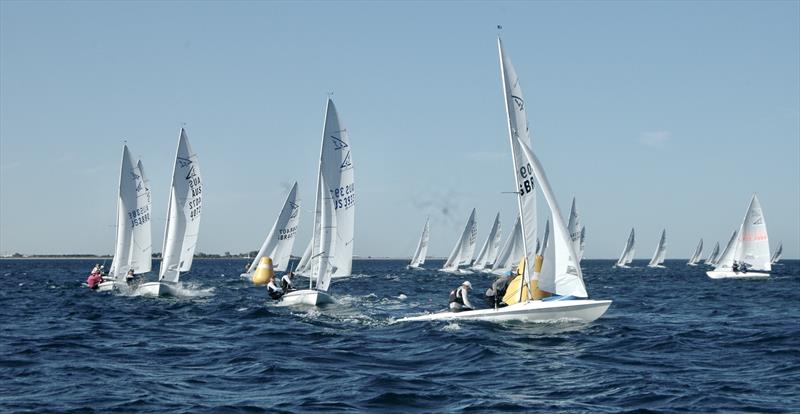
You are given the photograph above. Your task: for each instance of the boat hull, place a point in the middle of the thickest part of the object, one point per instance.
(158, 289)
(730, 274)
(656, 266)
(246, 276)
(584, 310)
(309, 297)
(415, 267)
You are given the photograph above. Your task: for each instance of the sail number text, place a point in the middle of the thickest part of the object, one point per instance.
(526, 184)
(343, 197)
(288, 233)
(139, 216)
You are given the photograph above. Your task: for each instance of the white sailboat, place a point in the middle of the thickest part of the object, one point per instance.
(713, 255)
(133, 248)
(184, 211)
(626, 257)
(749, 249)
(577, 233)
(695, 259)
(491, 248)
(570, 300)
(422, 247)
(511, 252)
(331, 253)
(280, 239)
(464, 248)
(777, 255)
(660, 252)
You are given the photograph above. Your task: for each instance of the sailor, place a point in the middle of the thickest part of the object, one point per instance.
(94, 280)
(129, 277)
(743, 267)
(95, 269)
(103, 270)
(275, 292)
(495, 293)
(735, 266)
(459, 298)
(286, 281)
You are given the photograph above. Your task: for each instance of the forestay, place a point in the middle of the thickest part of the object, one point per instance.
(183, 213)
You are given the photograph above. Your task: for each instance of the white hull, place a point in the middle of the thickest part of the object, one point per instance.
(108, 285)
(692, 264)
(457, 271)
(158, 289)
(730, 274)
(415, 267)
(584, 310)
(621, 267)
(656, 266)
(309, 297)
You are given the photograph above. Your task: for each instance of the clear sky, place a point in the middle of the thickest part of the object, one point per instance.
(654, 114)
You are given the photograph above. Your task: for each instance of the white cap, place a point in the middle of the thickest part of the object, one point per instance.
(467, 284)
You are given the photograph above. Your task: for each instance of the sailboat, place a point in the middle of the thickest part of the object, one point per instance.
(464, 248)
(184, 211)
(133, 247)
(511, 252)
(660, 253)
(563, 276)
(491, 248)
(777, 255)
(280, 239)
(627, 253)
(750, 249)
(577, 233)
(331, 251)
(713, 256)
(422, 247)
(695, 259)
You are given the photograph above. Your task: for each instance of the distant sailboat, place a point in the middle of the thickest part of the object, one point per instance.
(133, 247)
(280, 239)
(660, 253)
(183, 221)
(511, 252)
(695, 259)
(746, 256)
(713, 256)
(577, 233)
(627, 253)
(422, 247)
(777, 255)
(569, 300)
(491, 248)
(331, 252)
(463, 250)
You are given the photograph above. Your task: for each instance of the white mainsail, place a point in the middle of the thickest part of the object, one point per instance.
(713, 256)
(422, 247)
(778, 253)
(332, 250)
(183, 213)
(518, 135)
(490, 249)
(465, 246)
(627, 253)
(697, 252)
(567, 278)
(576, 231)
(280, 239)
(753, 242)
(511, 252)
(660, 252)
(133, 248)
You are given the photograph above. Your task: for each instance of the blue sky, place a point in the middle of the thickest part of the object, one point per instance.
(654, 114)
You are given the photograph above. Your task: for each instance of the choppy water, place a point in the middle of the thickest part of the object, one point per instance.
(673, 340)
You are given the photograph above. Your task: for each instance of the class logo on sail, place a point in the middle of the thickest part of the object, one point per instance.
(191, 173)
(295, 209)
(346, 163)
(338, 143)
(183, 162)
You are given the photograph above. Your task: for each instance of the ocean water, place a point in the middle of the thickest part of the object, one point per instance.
(672, 341)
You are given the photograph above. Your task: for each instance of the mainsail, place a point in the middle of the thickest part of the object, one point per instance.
(725, 259)
(465, 246)
(183, 213)
(713, 256)
(627, 253)
(490, 249)
(661, 250)
(697, 252)
(753, 246)
(576, 231)
(422, 246)
(280, 239)
(133, 248)
(332, 250)
(778, 253)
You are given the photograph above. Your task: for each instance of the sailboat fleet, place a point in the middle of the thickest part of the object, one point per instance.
(546, 280)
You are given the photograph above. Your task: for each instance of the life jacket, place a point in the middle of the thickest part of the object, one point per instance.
(284, 284)
(94, 280)
(455, 297)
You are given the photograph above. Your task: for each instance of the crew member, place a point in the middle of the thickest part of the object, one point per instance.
(459, 298)
(286, 281)
(275, 292)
